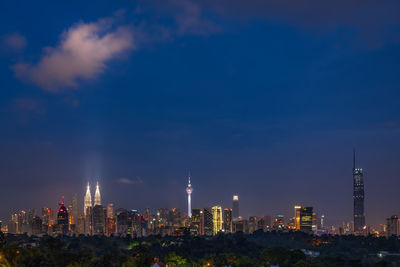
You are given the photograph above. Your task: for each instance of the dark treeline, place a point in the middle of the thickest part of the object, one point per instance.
(258, 249)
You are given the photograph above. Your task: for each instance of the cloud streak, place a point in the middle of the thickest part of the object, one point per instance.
(82, 54)
(127, 181)
(14, 42)
(29, 105)
(370, 21)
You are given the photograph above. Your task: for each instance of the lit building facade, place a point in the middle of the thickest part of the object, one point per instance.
(227, 220)
(97, 197)
(207, 220)
(217, 219)
(297, 210)
(87, 201)
(110, 210)
(358, 197)
(235, 208)
(306, 219)
(392, 226)
(98, 220)
(62, 219)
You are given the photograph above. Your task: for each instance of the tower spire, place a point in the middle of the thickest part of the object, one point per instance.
(189, 191)
(97, 197)
(88, 200)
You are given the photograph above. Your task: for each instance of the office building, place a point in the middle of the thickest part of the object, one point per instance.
(62, 219)
(208, 221)
(392, 226)
(227, 220)
(358, 197)
(110, 210)
(98, 220)
(235, 208)
(297, 209)
(195, 224)
(217, 219)
(306, 219)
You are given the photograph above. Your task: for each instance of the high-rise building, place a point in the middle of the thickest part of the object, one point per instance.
(122, 221)
(207, 221)
(279, 222)
(235, 208)
(217, 219)
(306, 219)
(74, 210)
(99, 220)
(62, 219)
(392, 226)
(314, 222)
(97, 198)
(253, 224)
(13, 224)
(36, 225)
(47, 216)
(297, 209)
(189, 191)
(227, 220)
(110, 210)
(195, 224)
(88, 201)
(358, 197)
(110, 226)
(322, 222)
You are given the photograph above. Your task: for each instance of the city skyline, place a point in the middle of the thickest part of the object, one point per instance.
(359, 223)
(263, 100)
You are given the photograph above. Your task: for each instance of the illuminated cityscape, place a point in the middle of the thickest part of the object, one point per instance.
(106, 220)
(211, 133)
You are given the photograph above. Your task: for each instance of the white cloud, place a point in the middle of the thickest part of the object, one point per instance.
(81, 54)
(124, 180)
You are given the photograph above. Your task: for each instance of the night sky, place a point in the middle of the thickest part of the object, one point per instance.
(264, 99)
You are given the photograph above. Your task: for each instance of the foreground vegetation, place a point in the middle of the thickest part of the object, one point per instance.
(258, 249)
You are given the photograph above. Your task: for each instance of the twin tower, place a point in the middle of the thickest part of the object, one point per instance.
(88, 198)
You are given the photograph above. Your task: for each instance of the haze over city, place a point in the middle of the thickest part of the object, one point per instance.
(263, 99)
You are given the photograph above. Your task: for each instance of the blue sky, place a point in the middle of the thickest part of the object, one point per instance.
(261, 99)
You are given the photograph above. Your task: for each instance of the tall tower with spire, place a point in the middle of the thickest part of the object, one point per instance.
(88, 200)
(358, 197)
(189, 191)
(97, 198)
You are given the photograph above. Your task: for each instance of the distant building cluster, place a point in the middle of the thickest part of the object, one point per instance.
(97, 219)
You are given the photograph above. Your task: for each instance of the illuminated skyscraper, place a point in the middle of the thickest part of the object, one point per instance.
(98, 220)
(306, 219)
(207, 221)
(217, 219)
(392, 226)
(358, 197)
(88, 200)
(297, 210)
(235, 208)
(322, 221)
(196, 222)
(62, 218)
(227, 220)
(110, 210)
(189, 191)
(74, 210)
(97, 198)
